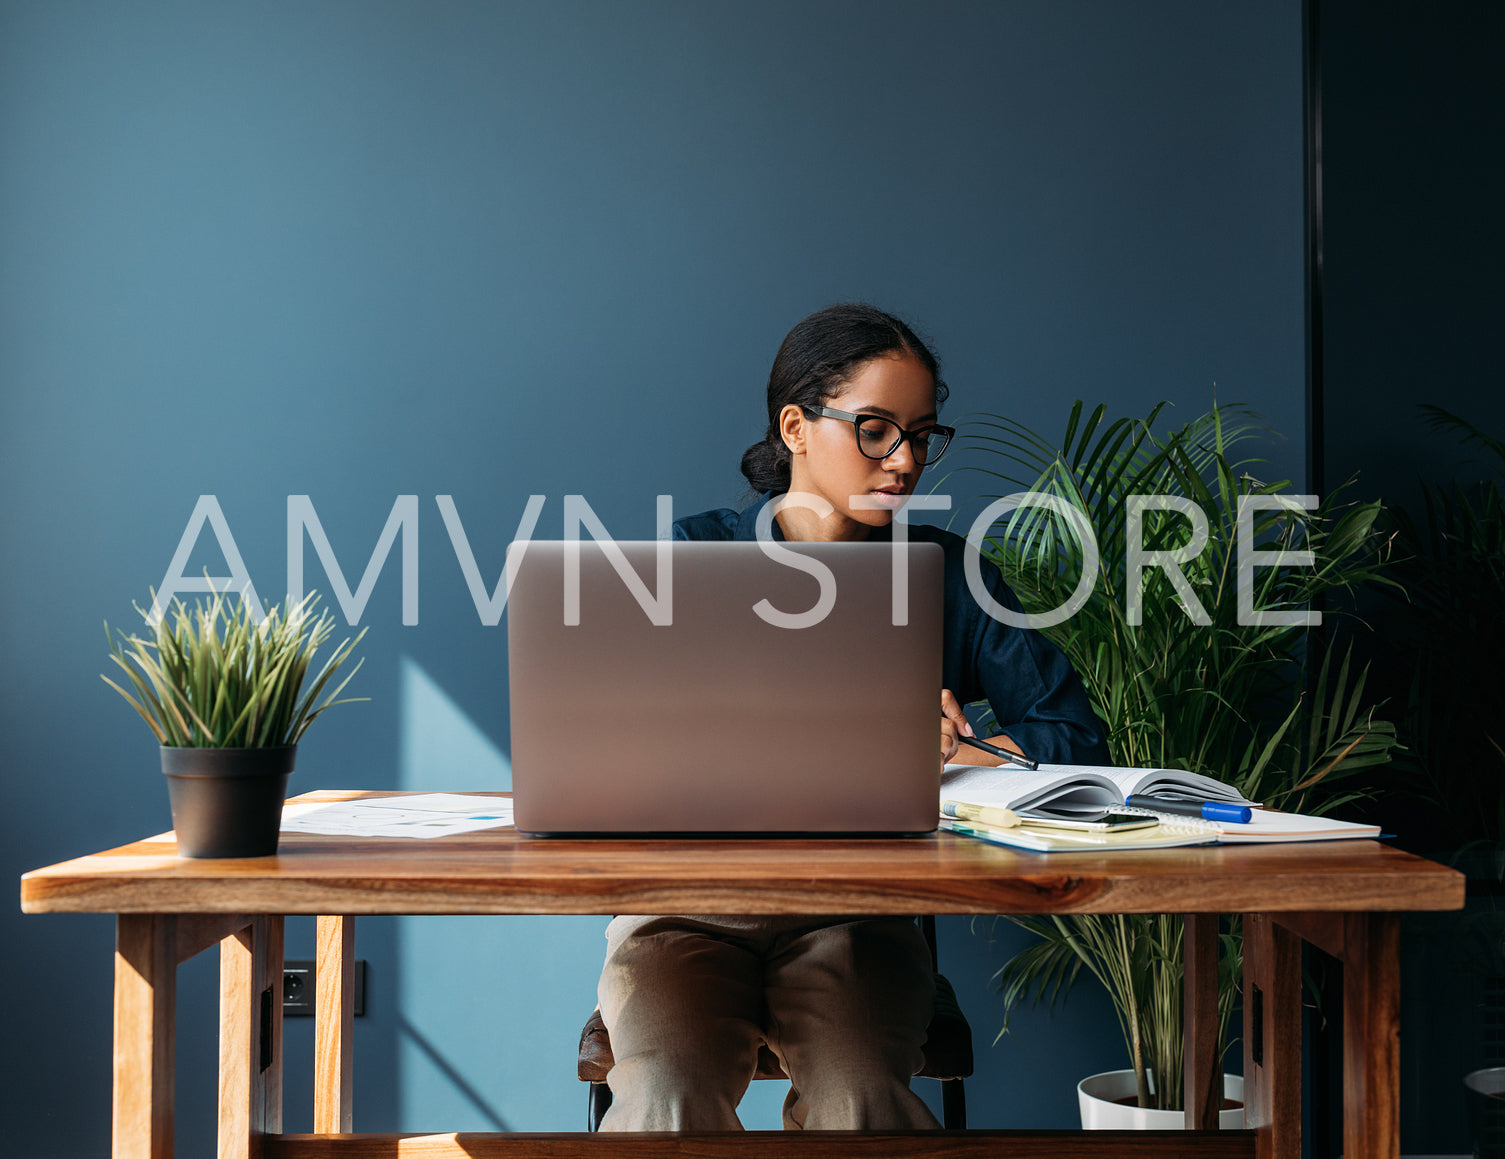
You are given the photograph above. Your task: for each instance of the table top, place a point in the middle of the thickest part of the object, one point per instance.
(500, 871)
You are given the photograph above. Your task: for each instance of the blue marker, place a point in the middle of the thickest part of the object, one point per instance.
(1206, 810)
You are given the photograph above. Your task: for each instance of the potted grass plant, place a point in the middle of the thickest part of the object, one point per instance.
(1265, 707)
(228, 697)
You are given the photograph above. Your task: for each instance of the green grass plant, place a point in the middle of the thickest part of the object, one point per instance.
(214, 677)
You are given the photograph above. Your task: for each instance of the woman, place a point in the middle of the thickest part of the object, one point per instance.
(852, 405)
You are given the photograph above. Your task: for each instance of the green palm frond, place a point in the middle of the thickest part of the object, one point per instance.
(1225, 698)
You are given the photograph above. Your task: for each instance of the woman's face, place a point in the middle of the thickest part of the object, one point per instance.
(826, 462)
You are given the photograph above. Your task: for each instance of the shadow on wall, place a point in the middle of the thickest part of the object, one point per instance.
(489, 1010)
(412, 1036)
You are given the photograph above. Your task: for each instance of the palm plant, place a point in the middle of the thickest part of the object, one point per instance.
(216, 678)
(1231, 699)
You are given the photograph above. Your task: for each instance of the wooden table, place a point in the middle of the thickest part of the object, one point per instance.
(1341, 896)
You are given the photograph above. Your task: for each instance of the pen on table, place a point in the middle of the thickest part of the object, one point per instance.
(1206, 810)
(1007, 754)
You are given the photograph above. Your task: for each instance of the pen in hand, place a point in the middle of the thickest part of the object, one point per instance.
(1007, 754)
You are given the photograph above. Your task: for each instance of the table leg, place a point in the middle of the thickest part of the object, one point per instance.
(272, 1076)
(250, 1060)
(334, 1022)
(146, 976)
(1272, 1037)
(1203, 1080)
(1371, 1035)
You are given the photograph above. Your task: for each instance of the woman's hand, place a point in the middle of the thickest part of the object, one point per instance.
(953, 723)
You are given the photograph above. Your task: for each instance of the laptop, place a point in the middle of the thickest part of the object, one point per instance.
(772, 695)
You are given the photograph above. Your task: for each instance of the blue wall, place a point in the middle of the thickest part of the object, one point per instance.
(353, 250)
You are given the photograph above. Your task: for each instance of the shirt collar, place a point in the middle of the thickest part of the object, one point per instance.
(747, 523)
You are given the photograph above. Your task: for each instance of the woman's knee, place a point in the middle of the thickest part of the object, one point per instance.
(676, 1090)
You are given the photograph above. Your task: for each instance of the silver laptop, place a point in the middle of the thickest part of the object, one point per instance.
(735, 712)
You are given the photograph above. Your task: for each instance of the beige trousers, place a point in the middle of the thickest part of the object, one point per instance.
(843, 1003)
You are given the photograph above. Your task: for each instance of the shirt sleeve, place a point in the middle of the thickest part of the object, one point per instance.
(1036, 696)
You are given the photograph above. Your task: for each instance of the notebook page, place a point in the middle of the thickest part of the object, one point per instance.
(1068, 788)
(1267, 825)
(1058, 840)
(1173, 783)
(1270, 825)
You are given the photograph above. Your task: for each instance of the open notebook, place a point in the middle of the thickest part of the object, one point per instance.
(1090, 789)
(1077, 788)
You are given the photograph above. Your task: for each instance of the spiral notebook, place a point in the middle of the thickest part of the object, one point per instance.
(1167, 835)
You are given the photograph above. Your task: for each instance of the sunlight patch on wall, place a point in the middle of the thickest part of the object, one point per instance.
(441, 748)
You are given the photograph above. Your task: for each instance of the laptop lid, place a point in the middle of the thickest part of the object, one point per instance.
(775, 694)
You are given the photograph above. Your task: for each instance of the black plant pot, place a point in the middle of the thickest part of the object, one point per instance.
(227, 802)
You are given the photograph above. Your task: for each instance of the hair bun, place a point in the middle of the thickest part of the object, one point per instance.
(765, 465)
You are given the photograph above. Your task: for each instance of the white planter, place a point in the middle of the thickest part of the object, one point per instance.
(1095, 1095)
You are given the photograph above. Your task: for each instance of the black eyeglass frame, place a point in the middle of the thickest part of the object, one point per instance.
(904, 436)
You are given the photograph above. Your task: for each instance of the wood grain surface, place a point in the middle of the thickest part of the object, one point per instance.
(1202, 1076)
(1371, 1036)
(501, 871)
(1272, 1083)
(774, 1144)
(250, 1093)
(146, 972)
(334, 1021)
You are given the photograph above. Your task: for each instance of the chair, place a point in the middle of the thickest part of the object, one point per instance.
(948, 1052)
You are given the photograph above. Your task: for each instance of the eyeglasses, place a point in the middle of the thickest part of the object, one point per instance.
(878, 437)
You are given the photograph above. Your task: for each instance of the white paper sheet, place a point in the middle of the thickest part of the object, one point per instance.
(418, 815)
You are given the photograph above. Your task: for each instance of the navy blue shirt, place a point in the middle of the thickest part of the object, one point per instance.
(1036, 696)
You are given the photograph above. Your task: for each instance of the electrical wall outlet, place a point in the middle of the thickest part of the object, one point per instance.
(298, 988)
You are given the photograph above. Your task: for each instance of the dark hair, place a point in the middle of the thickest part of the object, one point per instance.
(818, 358)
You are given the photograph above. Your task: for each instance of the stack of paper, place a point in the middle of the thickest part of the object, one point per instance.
(1041, 840)
(410, 815)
